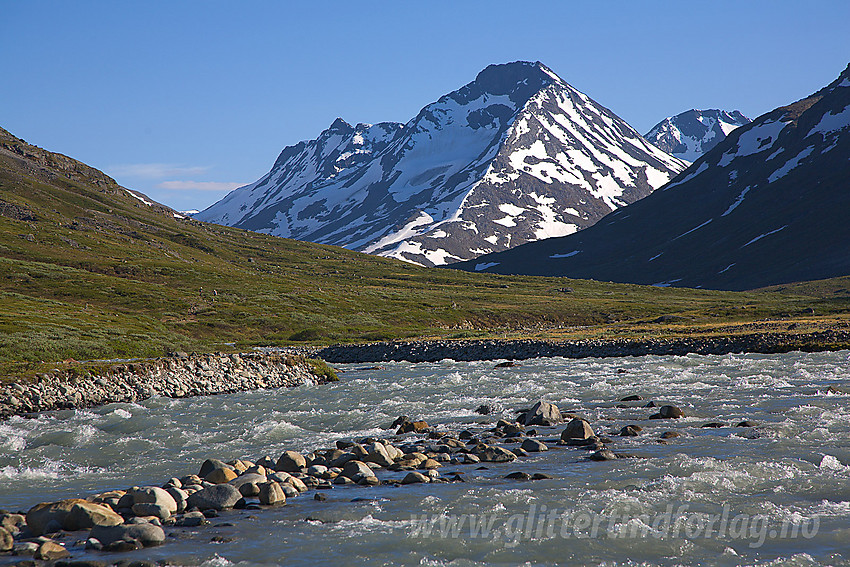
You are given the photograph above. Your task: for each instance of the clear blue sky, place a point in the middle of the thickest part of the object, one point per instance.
(185, 99)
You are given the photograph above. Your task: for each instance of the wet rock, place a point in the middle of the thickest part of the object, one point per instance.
(414, 477)
(319, 497)
(632, 398)
(651, 404)
(25, 548)
(746, 423)
(669, 435)
(543, 413)
(671, 412)
(487, 409)
(41, 515)
(209, 466)
(577, 430)
(271, 494)
(6, 540)
(191, 520)
(378, 453)
(86, 515)
(153, 495)
(366, 481)
(541, 476)
(355, 470)
(179, 495)
(150, 509)
(412, 427)
(221, 476)
(123, 545)
(533, 446)
(713, 425)
(493, 454)
(518, 476)
(429, 464)
(631, 431)
(216, 497)
(12, 522)
(507, 364)
(291, 461)
(603, 455)
(50, 550)
(147, 534)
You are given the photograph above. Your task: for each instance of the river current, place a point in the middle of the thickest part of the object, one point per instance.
(774, 494)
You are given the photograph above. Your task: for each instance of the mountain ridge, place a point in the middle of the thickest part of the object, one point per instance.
(688, 135)
(514, 156)
(766, 206)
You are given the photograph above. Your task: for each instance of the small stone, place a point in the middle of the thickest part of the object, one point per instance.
(153, 495)
(713, 425)
(50, 550)
(669, 435)
(191, 520)
(429, 464)
(541, 476)
(632, 398)
(355, 470)
(320, 497)
(747, 423)
(123, 545)
(518, 476)
(603, 455)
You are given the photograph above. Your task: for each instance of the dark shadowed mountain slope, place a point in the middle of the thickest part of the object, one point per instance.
(770, 204)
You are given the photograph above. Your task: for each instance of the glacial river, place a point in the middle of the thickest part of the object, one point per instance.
(774, 494)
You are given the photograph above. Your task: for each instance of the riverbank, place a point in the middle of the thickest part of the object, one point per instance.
(177, 376)
(182, 375)
(523, 349)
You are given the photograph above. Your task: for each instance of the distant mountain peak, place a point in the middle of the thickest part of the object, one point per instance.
(514, 156)
(692, 133)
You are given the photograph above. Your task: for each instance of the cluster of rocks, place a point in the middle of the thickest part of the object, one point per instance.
(175, 376)
(469, 350)
(123, 520)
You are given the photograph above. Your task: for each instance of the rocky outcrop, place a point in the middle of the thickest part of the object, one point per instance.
(176, 376)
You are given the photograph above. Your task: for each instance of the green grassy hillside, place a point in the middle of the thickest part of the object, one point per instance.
(89, 271)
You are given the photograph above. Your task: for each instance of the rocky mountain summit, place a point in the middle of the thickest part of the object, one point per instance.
(690, 134)
(515, 156)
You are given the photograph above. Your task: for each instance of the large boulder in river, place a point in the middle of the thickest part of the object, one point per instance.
(577, 430)
(291, 461)
(271, 494)
(356, 470)
(378, 453)
(52, 513)
(670, 412)
(86, 515)
(211, 464)
(216, 497)
(153, 495)
(543, 413)
(493, 454)
(148, 534)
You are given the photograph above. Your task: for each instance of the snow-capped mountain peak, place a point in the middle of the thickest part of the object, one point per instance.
(690, 134)
(514, 156)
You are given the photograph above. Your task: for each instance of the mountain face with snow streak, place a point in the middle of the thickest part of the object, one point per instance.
(515, 156)
(768, 205)
(690, 134)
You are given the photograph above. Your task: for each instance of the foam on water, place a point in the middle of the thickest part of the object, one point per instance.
(793, 465)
